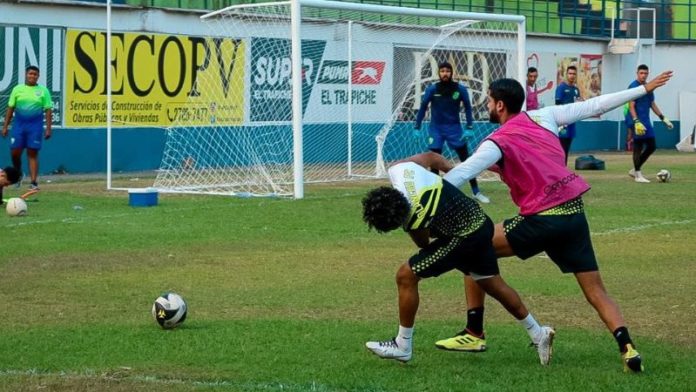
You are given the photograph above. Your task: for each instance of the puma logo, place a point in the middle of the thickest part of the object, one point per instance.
(367, 72)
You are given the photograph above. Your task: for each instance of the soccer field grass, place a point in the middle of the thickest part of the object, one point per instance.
(284, 293)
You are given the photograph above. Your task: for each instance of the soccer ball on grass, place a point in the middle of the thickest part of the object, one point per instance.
(169, 310)
(664, 175)
(16, 207)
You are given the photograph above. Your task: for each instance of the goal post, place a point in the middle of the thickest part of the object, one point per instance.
(319, 91)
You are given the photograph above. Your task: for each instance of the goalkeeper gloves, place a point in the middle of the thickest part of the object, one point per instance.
(666, 121)
(638, 127)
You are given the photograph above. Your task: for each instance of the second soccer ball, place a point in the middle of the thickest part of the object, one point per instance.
(664, 175)
(16, 207)
(169, 310)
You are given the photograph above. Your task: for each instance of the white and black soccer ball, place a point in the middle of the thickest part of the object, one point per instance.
(16, 207)
(664, 175)
(169, 310)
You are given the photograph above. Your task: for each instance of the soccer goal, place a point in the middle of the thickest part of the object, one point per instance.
(319, 91)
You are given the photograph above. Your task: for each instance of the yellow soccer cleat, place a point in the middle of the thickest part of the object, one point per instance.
(632, 360)
(464, 341)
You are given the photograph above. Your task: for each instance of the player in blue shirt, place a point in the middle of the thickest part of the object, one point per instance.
(445, 98)
(567, 92)
(639, 125)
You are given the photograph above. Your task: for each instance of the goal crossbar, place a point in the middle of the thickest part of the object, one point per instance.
(451, 21)
(393, 10)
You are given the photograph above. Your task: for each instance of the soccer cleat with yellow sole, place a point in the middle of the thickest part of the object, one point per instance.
(464, 341)
(632, 360)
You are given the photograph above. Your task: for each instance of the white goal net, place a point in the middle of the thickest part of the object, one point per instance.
(688, 143)
(363, 70)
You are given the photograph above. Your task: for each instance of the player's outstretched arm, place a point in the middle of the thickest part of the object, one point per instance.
(574, 112)
(430, 160)
(485, 156)
(548, 86)
(659, 81)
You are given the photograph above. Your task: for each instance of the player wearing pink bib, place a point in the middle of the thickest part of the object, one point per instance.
(538, 180)
(526, 152)
(532, 91)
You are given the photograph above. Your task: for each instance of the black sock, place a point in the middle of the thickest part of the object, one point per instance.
(622, 338)
(474, 321)
(1, 196)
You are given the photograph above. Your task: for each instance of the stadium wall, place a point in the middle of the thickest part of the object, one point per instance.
(41, 34)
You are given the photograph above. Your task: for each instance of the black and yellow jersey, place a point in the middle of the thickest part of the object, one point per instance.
(435, 204)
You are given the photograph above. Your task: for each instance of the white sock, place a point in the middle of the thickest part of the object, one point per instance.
(403, 339)
(638, 174)
(533, 328)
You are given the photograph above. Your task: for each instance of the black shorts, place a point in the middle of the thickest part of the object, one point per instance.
(473, 253)
(564, 238)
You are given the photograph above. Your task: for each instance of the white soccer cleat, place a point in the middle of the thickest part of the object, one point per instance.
(641, 179)
(544, 344)
(632, 173)
(482, 198)
(389, 350)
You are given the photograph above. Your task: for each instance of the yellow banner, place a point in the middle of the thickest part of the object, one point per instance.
(157, 80)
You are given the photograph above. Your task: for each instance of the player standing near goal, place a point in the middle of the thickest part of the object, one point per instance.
(427, 206)
(29, 103)
(639, 125)
(526, 152)
(568, 92)
(446, 98)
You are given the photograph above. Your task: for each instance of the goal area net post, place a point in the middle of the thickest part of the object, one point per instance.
(314, 91)
(688, 143)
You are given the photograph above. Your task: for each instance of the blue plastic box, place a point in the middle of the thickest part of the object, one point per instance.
(142, 197)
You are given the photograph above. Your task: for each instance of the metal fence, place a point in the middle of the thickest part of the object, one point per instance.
(675, 20)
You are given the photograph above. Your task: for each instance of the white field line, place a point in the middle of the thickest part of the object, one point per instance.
(122, 375)
(86, 216)
(630, 229)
